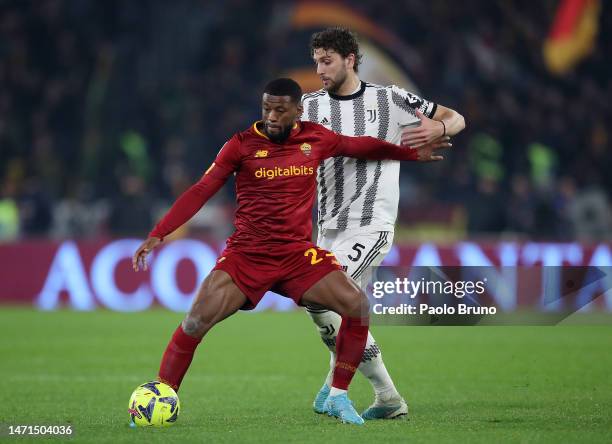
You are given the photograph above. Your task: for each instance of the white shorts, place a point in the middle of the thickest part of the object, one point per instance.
(357, 250)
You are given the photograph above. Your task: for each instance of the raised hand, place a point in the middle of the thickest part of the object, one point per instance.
(139, 260)
(427, 132)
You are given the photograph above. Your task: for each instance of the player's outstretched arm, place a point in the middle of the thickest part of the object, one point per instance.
(190, 202)
(445, 122)
(370, 148)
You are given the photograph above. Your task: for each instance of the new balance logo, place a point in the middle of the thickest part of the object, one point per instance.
(325, 121)
(261, 153)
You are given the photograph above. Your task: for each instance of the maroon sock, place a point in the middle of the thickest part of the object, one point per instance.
(350, 344)
(177, 358)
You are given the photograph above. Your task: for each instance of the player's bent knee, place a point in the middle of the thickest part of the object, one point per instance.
(201, 318)
(194, 325)
(217, 299)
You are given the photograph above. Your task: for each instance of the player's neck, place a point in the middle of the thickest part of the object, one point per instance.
(350, 85)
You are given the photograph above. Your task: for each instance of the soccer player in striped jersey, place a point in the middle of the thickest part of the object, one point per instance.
(358, 199)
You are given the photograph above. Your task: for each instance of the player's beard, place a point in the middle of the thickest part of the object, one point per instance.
(337, 83)
(280, 137)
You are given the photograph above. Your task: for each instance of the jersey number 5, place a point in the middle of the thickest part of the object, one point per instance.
(358, 248)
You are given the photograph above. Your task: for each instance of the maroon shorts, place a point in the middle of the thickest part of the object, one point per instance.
(289, 269)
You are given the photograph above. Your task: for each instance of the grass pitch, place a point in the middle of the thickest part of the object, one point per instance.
(254, 377)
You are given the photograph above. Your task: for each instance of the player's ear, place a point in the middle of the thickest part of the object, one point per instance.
(350, 61)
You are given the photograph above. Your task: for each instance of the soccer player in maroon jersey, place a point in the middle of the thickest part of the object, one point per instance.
(275, 164)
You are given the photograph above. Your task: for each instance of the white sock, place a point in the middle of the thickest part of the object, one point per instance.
(372, 365)
(373, 368)
(332, 365)
(336, 391)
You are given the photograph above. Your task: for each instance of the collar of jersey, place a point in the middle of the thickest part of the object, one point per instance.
(352, 96)
(259, 133)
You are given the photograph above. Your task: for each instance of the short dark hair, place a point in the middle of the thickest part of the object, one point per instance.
(342, 40)
(284, 87)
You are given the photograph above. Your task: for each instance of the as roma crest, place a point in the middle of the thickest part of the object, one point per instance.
(306, 148)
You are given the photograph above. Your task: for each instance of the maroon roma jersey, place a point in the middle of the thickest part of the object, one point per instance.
(275, 182)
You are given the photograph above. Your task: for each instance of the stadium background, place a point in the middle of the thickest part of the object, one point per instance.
(109, 110)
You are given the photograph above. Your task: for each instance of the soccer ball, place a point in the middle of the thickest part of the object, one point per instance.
(153, 404)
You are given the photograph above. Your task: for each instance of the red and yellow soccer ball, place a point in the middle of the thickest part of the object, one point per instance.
(153, 404)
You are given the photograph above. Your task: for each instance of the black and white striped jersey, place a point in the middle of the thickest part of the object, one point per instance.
(359, 193)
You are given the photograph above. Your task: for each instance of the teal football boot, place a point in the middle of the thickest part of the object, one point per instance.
(320, 399)
(390, 409)
(342, 408)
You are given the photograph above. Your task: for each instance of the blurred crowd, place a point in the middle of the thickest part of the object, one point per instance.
(109, 110)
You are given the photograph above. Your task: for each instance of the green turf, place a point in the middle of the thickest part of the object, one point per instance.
(254, 377)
